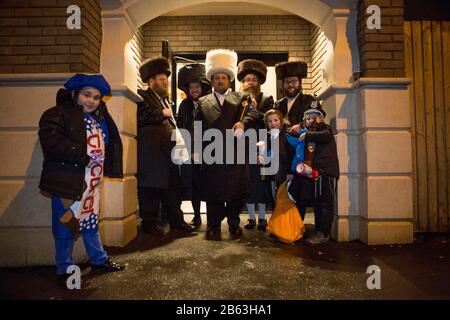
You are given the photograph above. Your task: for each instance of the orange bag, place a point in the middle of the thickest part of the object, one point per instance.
(285, 222)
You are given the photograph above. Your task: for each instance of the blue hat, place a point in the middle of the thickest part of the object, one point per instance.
(79, 81)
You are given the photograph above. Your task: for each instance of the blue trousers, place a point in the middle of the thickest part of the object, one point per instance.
(64, 241)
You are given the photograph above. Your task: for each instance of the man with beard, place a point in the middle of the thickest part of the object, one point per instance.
(158, 178)
(192, 80)
(252, 74)
(225, 185)
(295, 103)
(321, 155)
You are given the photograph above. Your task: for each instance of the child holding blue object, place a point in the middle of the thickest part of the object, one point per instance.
(81, 144)
(299, 146)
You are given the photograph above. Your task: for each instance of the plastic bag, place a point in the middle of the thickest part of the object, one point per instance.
(285, 223)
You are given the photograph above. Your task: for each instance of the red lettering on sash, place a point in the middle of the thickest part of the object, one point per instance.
(96, 173)
(94, 141)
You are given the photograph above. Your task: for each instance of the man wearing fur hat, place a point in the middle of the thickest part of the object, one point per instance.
(294, 103)
(321, 155)
(225, 185)
(158, 177)
(192, 80)
(252, 74)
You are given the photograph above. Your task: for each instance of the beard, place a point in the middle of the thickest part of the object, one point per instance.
(253, 91)
(160, 91)
(293, 94)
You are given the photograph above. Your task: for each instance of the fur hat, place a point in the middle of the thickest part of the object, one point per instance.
(252, 66)
(152, 67)
(221, 60)
(81, 80)
(291, 69)
(192, 73)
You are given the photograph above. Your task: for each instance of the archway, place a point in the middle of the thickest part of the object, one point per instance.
(121, 19)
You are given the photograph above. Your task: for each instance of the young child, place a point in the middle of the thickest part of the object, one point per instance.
(277, 128)
(81, 144)
(317, 191)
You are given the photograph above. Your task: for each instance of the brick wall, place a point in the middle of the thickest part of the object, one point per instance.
(290, 34)
(318, 52)
(34, 37)
(137, 48)
(381, 51)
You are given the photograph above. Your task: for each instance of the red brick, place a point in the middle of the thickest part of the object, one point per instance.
(28, 50)
(42, 3)
(392, 12)
(28, 12)
(41, 40)
(13, 22)
(56, 68)
(56, 50)
(40, 59)
(13, 60)
(394, 64)
(27, 69)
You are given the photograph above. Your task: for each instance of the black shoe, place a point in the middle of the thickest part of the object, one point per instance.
(236, 233)
(250, 225)
(213, 234)
(197, 221)
(154, 230)
(262, 224)
(183, 227)
(108, 266)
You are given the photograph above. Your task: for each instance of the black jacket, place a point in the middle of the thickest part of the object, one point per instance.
(223, 182)
(265, 103)
(325, 155)
(295, 115)
(62, 135)
(154, 145)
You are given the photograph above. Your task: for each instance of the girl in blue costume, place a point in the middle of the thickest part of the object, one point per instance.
(81, 144)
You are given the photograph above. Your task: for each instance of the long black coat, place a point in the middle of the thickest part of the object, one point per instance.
(223, 182)
(62, 134)
(154, 145)
(295, 115)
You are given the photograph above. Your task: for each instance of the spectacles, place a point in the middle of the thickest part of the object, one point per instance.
(291, 81)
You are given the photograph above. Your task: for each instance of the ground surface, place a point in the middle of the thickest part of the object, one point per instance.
(255, 267)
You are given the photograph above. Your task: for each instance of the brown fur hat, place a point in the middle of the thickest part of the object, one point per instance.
(252, 66)
(154, 66)
(291, 69)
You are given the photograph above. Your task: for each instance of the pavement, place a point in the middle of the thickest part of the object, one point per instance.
(256, 267)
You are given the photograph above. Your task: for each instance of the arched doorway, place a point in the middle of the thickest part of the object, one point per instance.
(361, 213)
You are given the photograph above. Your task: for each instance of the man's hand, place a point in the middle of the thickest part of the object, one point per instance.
(295, 129)
(167, 112)
(238, 129)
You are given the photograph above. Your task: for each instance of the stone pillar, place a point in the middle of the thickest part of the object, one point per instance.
(25, 215)
(118, 224)
(386, 161)
(371, 119)
(339, 101)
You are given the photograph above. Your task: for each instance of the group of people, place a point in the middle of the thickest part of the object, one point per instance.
(81, 144)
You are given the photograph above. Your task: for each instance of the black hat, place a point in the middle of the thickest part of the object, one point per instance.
(152, 67)
(291, 69)
(315, 107)
(192, 73)
(252, 66)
